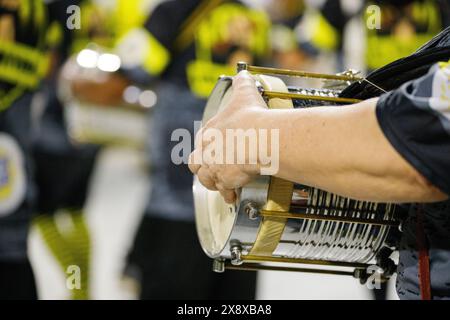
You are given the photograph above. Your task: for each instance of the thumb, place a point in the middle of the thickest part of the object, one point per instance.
(245, 91)
(243, 79)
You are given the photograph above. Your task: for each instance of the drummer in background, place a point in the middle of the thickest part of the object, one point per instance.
(23, 25)
(63, 168)
(287, 51)
(405, 25)
(182, 50)
(186, 58)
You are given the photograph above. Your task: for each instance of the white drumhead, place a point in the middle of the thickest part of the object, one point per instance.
(214, 219)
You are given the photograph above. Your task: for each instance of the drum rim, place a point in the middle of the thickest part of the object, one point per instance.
(213, 105)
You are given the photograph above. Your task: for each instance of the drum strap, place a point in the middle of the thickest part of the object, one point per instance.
(424, 258)
(269, 234)
(280, 191)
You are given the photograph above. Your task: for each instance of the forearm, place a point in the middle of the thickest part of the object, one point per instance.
(343, 150)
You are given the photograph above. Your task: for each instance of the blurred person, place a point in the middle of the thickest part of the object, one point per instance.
(105, 22)
(109, 23)
(181, 50)
(184, 47)
(287, 51)
(23, 64)
(405, 25)
(63, 166)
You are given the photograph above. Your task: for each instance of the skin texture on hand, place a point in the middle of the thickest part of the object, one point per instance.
(337, 149)
(245, 104)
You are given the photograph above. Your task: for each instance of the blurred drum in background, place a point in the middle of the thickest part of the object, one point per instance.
(103, 114)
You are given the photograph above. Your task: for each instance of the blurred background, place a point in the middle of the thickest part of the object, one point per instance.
(123, 74)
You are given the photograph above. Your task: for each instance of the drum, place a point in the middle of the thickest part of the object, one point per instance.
(118, 116)
(276, 224)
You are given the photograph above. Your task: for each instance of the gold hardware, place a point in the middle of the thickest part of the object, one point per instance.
(259, 267)
(303, 74)
(286, 95)
(253, 258)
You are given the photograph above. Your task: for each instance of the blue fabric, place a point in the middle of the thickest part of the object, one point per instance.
(437, 229)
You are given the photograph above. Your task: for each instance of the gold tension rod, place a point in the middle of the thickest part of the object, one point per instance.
(295, 73)
(287, 95)
(260, 267)
(255, 258)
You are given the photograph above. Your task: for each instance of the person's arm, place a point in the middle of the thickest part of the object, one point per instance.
(338, 149)
(343, 150)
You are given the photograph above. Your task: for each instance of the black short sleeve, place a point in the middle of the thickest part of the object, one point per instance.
(416, 120)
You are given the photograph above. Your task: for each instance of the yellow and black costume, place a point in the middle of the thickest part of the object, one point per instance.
(189, 44)
(404, 26)
(23, 63)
